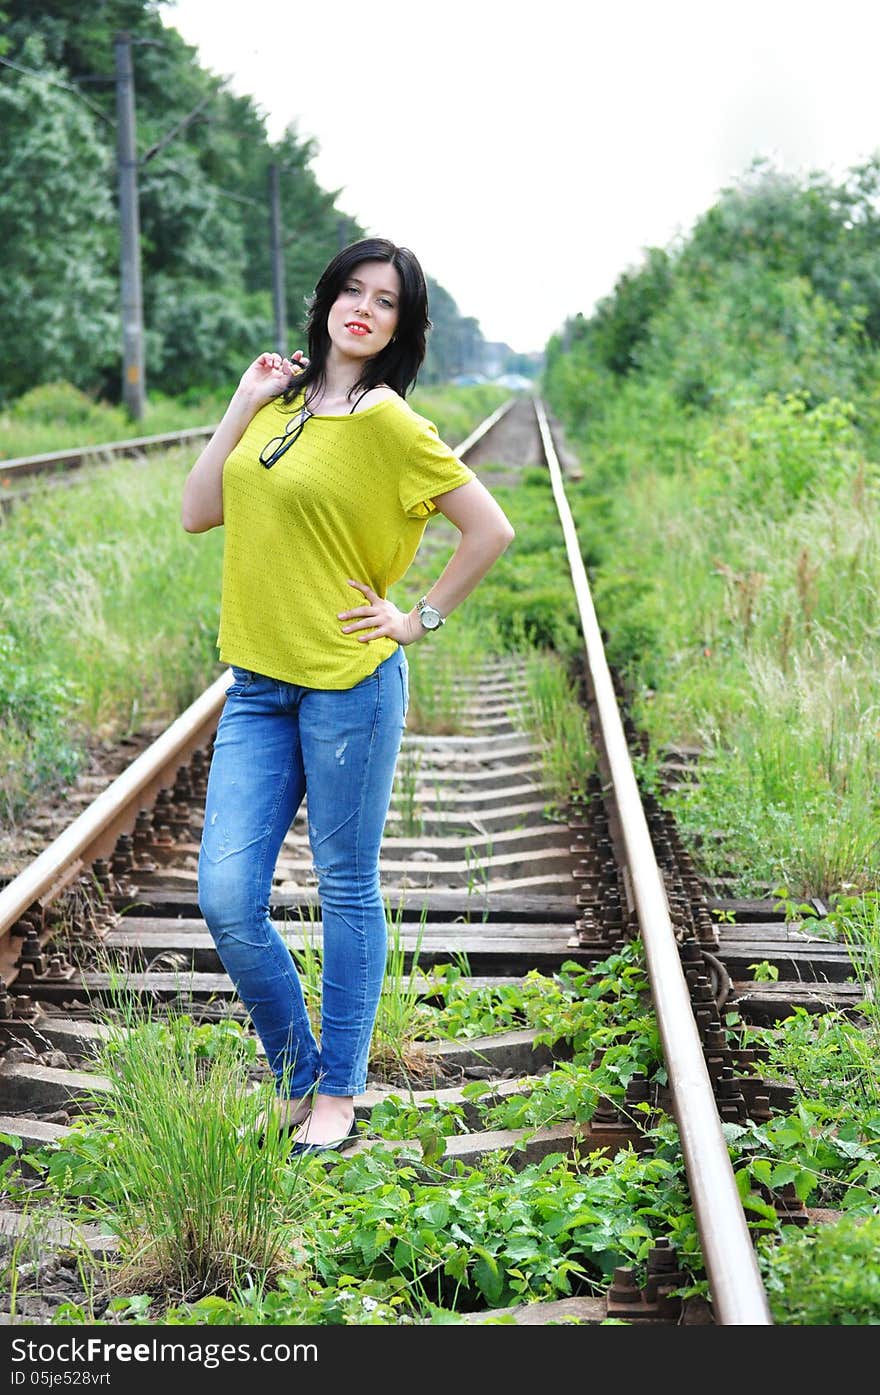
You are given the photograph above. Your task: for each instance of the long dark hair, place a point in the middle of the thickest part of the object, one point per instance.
(399, 362)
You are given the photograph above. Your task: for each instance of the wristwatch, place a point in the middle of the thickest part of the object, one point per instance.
(429, 615)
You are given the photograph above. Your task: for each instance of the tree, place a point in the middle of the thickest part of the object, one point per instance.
(59, 313)
(826, 232)
(622, 320)
(204, 160)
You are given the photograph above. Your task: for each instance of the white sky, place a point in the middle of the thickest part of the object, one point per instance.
(528, 152)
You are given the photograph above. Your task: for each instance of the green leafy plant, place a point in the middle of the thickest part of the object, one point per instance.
(795, 912)
(824, 1275)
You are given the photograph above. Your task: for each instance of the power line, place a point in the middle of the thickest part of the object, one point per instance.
(204, 184)
(56, 82)
(175, 130)
(276, 256)
(69, 87)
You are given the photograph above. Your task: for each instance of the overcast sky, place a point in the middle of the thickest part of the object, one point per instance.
(527, 153)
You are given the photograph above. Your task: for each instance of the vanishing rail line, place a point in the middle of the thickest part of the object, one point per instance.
(25, 466)
(471, 866)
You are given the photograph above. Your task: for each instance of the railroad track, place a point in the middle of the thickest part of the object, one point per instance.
(23, 467)
(476, 875)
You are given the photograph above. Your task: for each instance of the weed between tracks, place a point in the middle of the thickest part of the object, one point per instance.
(212, 1228)
(398, 1050)
(553, 713)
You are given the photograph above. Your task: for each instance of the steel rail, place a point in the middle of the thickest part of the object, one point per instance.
(99, 454)
(94, 833)
(484, 427)
(737, 1292)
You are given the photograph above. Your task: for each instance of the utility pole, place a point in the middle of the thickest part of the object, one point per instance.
(277, 258)
(133, 386)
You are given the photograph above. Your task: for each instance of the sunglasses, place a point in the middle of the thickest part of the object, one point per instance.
(273, 450)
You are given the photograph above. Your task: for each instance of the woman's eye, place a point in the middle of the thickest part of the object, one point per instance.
(356, 290)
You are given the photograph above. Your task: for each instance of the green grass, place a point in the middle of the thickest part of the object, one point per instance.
(56, 416)
(455, 411)
(108, 614)
(825, 1275)
(737, 581)
(438, 695)
(402, 1018)
(380, 1240)
(555, 717)
(214, 1229)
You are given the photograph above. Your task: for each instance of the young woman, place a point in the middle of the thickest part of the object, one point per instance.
(323, 478)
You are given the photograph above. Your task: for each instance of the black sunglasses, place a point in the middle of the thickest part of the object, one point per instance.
(273, 450)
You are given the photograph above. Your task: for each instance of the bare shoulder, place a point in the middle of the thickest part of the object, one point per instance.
(377, 394)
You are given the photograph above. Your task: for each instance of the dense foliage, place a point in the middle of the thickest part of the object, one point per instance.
(776, 288)
(726, 396)
(203, 185)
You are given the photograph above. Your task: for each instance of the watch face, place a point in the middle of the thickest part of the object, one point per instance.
(430, 618)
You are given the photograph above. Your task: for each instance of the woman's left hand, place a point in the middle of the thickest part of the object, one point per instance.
(381, 617)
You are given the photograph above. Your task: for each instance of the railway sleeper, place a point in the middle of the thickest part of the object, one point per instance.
(469, 908)
(765, 1004)
(139, 944)
(490, 847)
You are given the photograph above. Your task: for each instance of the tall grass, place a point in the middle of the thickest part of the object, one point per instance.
(57, 416)
(439, 683)
(856, 922)
(403, 1019)
(738, 585)
(198, 1204)
(108, 616)
(553, 714)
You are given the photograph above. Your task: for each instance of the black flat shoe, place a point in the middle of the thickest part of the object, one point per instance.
(301, 1150)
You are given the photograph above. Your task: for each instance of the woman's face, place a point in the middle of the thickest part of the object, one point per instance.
(364, 315)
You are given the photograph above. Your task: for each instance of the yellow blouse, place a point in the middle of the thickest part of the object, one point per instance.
(350, 498)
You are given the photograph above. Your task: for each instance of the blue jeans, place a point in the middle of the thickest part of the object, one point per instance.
(276, 741)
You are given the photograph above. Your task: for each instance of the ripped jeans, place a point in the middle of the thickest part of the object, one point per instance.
(274, 742)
